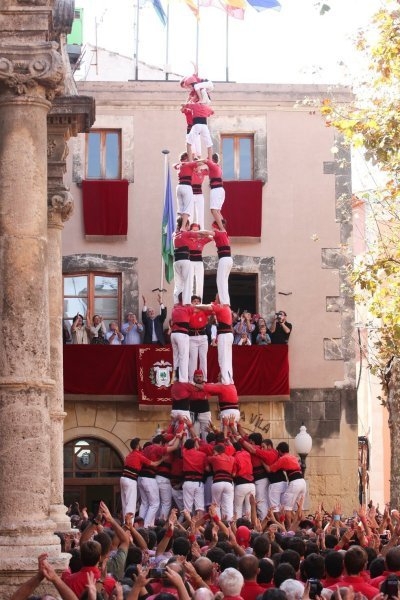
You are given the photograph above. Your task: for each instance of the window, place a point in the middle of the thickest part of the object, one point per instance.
(103, 154)
(92, 458)
(243, 290)
(91, 294)
(237, 156)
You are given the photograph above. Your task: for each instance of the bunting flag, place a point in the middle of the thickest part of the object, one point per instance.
(168, 227)
(260, 5)
(234, 8)
(194, 7)
(160, 11)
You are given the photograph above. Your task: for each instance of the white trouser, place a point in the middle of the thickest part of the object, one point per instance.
(128, 495)
(198, 348)
(222, 496)
(242, 499)
(201, 89)
(294, 490)
(201, 422)
(197, 277)
(183, 281)
(184, 199)
(262, 497)
(198, 208)
(196, 149)
(149, 500)
(224, 347)
(178, 498)
(164, 488)
(193, 494)
(207, 491)
(201, 130)
(229, 413)
(177, 413)
(224, 268)
(217, 198)
(180, 354)
(275, 493)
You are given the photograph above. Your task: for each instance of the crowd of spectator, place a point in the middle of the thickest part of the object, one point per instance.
(323, 555)
(249, 329)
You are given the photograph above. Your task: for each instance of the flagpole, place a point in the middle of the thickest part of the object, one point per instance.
(137, 43)
(167, 48)
(227, 48)
(165, 152)
(197, 35)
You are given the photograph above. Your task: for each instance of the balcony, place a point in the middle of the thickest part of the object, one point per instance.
(142, 373)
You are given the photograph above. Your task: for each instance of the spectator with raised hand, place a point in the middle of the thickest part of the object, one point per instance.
(119, 544)
(45, 571)
(154, 324)
(114, 336)
(98, 331)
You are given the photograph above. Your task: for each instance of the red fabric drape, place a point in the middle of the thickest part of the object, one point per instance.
(105, 207)
(126, 370)
(242, 207)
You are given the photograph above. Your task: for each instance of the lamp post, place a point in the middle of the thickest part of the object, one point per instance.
(303, 445)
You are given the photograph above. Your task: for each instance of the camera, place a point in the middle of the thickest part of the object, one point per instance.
(157, 573)
(315, 588)
(390, 586)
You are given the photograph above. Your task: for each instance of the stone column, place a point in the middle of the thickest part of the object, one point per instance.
(31, 70)
(69, 116)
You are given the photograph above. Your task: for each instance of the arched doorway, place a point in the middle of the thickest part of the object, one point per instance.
(92, 469)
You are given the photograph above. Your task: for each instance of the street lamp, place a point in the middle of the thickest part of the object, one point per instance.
(303, 445)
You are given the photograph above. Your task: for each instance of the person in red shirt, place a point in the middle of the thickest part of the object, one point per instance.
(90, 556)
(194, 464)
(198, 88)
(180, 339)
(248, 566)
(177, 478)
(198, 340)
(223, 315)
(225, 263)
(355, 562)
(200, 406)
(222, 487)
(228, 400)
(217, 191)
(199, 128)
(184, 192)
(243, 480)
(198, 176)
(259, 456)
(196, 246)
(296, 484)
(392, 564)
(148, 486)
(128, 482)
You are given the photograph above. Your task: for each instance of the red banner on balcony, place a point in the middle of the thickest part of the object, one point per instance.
(105, 207)
(154, 375)
(146, 370)
(243, 208)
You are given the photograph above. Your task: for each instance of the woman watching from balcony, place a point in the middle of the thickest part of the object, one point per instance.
(98, 331)
(79, 331)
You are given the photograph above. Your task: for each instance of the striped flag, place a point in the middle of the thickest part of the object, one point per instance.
(160, 11)
(168, 227)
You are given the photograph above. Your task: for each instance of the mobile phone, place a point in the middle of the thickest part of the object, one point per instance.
(157, 573)
(390, 587)
(315, 588)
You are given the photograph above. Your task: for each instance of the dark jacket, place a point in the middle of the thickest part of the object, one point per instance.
(158, 327)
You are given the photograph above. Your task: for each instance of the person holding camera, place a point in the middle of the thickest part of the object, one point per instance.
(280, 330)
(243, 329)
(114, 336)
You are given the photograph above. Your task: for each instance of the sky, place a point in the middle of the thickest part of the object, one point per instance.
(293, 45)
